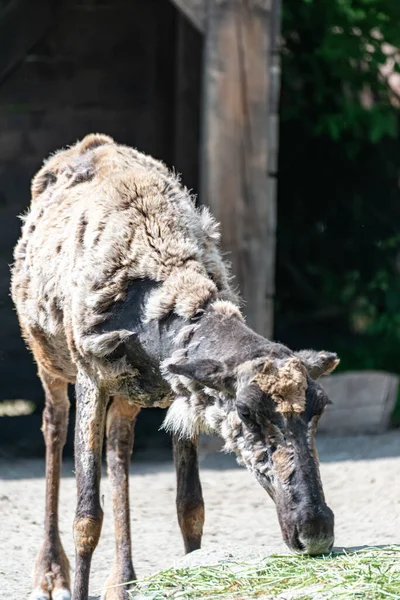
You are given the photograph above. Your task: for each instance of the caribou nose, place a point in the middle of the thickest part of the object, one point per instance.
(314, 533)
(315, 545)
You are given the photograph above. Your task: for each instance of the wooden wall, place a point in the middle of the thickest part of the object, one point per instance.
(115, 67)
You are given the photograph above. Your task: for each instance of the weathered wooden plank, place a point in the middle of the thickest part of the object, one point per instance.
(269, 258)
(273, 152)
(194, 10)
(273, 143)
(22, 24)
(187, 106)
(234, 180)
(274, 90)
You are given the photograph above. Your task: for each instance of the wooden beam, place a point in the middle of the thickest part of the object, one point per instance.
(194, 10)
(273, 154)
(22, 24)
(234, 180)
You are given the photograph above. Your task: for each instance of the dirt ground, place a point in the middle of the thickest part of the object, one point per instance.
(361, 477)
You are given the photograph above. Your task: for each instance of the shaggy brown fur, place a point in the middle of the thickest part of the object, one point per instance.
(121, 289)
(286, 384)
(283, 461)
(102, 215)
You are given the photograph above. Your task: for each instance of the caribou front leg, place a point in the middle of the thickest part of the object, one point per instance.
(91, 404)
(121, 420)
(51, 571)
(189, 497)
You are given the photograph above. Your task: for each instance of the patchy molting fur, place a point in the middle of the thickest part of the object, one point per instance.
(285, 383)
(283, 461)
(200, 409)
(105, 220)
(115, 215)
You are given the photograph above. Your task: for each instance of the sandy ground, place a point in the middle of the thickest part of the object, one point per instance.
(361, 478)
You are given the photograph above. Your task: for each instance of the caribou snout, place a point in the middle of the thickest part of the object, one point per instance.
(310, 533)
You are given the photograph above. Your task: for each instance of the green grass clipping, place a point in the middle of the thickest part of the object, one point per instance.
(370, 574)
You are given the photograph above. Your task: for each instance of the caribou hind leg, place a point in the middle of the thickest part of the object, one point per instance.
(51, 570)
(189, 497)
(121, 420)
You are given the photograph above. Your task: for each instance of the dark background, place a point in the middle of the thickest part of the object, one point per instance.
(113, 67)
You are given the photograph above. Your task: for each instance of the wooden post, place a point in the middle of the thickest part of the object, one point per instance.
(234, 161)
(194, 11)
(273, 154)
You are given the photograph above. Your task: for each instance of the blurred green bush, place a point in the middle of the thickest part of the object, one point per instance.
(338, 248)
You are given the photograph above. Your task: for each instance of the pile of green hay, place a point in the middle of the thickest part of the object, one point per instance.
(370, 574)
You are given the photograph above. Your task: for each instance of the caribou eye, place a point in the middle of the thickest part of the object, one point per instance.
(244, 412)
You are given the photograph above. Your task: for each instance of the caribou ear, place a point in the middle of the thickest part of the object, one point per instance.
(206, 371)
(318, 363)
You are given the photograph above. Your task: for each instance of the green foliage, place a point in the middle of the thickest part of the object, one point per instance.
(333, 55)
(339, 172)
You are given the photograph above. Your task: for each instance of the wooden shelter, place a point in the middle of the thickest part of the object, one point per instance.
(193, 82)
(241, 76)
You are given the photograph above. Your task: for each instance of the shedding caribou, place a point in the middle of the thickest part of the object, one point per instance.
(120, 289)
